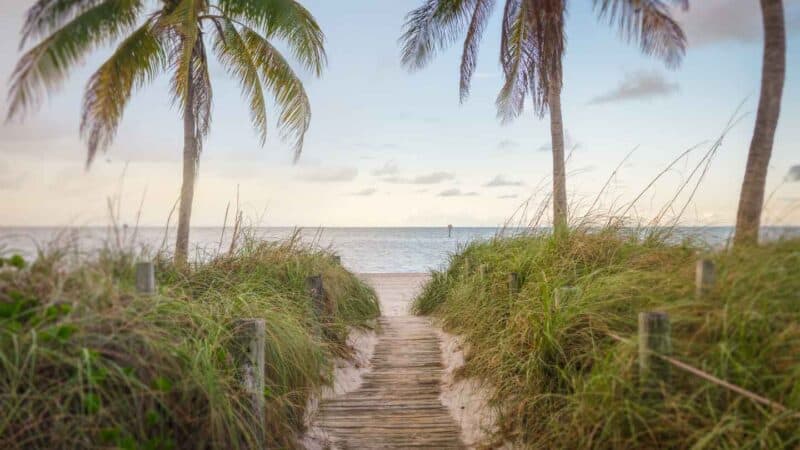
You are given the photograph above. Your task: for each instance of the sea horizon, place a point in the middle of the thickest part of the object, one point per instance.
(365, 249)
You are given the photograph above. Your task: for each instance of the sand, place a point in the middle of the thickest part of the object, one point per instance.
(465, 399)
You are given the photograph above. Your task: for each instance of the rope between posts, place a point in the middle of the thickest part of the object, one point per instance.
(711, 378)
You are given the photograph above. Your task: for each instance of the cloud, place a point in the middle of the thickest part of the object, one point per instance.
(794, 173)
(35, 131)
(638, 85)
(332, 175)
(364, 192)
(390, 168)
(456, 193)
(715, 21)
(508, 196)
(569, 143)
(10, 180)
(430, 178)
(507, 145)
(501, 180)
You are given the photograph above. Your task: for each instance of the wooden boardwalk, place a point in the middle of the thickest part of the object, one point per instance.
(398, 405)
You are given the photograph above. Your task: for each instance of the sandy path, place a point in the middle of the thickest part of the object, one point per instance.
(401, 390)
(398, 404)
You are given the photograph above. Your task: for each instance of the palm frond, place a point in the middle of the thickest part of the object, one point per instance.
(431, 28)
(517, 59)
(202, 94)
(286, 20)
(294, 107)
(649, 23)
(181, 23)
(136, 61)
(469, 57)
(532, 49)
(548, 23)
(45, 66)
(46, 16)
(235, 56)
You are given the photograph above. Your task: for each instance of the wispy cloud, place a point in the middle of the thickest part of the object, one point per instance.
(569, 143)
(508, 196)
(794, 173)
(364, 192)
(9, 179)
(456, 193)
(390, 168)
(501, 180)
(713, 21)
(430, 178)
(330, 175)
(507, 145)
(638, 85)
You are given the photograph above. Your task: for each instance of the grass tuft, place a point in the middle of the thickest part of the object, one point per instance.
(560, 380)
(87, 362)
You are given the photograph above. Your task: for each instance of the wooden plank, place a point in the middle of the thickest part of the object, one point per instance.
(397, 405)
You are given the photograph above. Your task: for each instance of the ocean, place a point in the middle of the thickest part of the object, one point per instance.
(363, 250)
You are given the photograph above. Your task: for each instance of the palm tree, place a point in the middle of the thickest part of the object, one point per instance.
(773, 72)
(531, 52)
(171, 39)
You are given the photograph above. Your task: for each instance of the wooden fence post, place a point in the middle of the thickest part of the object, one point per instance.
(249, 347)
(482, 270)
(513, 282)
(654, 338)
(145, 277)
(565, 295)
(317, 292)
(705, 277)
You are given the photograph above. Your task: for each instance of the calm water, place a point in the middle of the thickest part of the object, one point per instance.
(361, 249)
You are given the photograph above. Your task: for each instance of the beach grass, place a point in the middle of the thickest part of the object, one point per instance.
(558, 380)
(86, 362)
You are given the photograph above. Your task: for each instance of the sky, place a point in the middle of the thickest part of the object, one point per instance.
(391, 148)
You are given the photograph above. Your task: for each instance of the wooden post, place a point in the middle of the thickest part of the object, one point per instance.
(482, 270)
(705, 276)
(317, 293)
(565, 295)
(249, 347)
(449, 231)
(654, 338)
(513, 282)
(145, 277)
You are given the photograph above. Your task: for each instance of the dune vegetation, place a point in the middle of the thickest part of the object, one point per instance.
(559, 380)
(87, 362)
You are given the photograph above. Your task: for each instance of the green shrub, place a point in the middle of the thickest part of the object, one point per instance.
(85, 362)
(560, 380)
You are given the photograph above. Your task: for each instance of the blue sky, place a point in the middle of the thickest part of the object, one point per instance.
(389, 148)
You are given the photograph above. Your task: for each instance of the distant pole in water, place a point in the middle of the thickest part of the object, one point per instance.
(449, 231)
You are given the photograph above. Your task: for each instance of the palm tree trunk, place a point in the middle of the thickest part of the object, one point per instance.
(189, 175)
(773, 72)
(559, 175)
